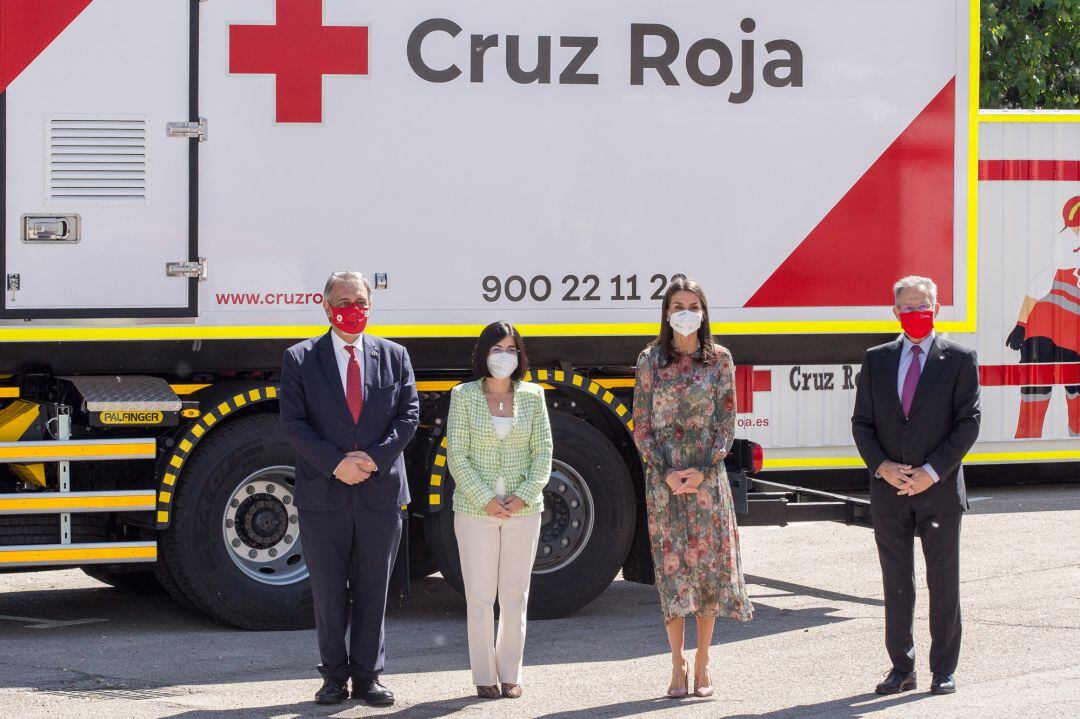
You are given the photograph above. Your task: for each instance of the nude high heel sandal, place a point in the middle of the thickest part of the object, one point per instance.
(703, 690)
(675, 692)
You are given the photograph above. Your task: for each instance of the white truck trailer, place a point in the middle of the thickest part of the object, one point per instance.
(179, 177)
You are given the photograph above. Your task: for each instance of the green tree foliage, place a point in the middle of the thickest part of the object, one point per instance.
(1030, 54)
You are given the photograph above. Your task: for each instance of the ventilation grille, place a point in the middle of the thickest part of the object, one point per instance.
(96, 160)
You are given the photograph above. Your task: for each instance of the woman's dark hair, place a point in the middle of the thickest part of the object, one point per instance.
(706, 352)
(492, 335)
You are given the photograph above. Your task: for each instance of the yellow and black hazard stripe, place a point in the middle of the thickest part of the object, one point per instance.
(556, 378)
(194, 434)
(583, 383)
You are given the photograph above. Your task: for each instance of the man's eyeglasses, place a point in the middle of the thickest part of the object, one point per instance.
(924, 307)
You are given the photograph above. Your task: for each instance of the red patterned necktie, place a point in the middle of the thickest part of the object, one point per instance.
(911, 381)
(354, 390)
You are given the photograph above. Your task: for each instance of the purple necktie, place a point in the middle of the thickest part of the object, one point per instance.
(911, 381)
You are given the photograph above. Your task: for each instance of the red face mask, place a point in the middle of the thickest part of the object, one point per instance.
(917, 324)
(351, 319)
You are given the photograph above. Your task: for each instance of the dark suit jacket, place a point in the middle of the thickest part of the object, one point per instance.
(317, 421)
(942, 427)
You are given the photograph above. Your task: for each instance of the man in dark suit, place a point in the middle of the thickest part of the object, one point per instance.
(349, 406)
(916, 416)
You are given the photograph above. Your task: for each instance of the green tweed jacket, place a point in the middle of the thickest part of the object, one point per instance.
(477, 458)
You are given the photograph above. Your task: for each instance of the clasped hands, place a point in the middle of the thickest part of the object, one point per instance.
(505, 507)
(355, 468)
(684, 481)
(907, 479)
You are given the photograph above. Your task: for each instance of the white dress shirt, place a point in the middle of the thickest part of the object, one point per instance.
(342, 356)
(905, 363)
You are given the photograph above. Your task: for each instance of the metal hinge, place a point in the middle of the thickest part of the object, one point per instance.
(190, 130)
(191, 270)
(14, 283)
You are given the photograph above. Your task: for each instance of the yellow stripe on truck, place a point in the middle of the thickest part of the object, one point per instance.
(35, 503)
(642, 329)
(76, 450)
(856, 462)
(74, 554)
(187, 388)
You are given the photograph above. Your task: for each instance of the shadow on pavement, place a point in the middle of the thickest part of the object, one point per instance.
(126, 652)
(1010, 500)
(854, 707)
(803, 590)
(422, 710)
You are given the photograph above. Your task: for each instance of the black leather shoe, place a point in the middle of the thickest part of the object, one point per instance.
(372, 692)
(333, 691)
(896, 682)
(943, 684)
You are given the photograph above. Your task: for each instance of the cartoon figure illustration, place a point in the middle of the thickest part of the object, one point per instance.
(1048, 329)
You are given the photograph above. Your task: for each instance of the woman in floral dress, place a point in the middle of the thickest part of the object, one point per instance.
(684, 424)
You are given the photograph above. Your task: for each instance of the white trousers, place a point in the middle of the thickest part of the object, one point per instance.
(496, 559)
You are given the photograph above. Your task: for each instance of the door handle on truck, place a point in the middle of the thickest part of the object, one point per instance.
(51, 229)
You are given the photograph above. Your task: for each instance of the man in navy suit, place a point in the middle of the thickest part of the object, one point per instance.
(916, 416)
(349, 406)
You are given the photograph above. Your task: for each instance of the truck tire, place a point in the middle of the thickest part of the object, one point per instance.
(591, 485)
(233, 548)
(165, 579)
(45, 529)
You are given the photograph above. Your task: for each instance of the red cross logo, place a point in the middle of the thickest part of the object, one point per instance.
(298, 51)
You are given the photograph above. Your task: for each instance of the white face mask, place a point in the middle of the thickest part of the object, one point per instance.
(502, 364)
(685, 322)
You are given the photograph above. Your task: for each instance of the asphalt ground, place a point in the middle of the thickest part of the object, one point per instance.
(72, 647)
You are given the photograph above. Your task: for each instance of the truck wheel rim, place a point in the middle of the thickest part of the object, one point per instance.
(567, 520)
(261, 528)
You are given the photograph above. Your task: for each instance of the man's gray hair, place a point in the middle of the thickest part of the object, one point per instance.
(923, 283)
(349, 277)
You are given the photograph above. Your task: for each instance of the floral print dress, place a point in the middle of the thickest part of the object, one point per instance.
(684, 417)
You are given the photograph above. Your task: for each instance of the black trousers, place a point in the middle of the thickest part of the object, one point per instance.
(1042, 349)
(940, 536)
(350, 554)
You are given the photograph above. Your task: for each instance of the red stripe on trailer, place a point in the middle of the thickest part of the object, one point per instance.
(1029, 170)
(27, 27)
(896, 220)
(762, 380)
(1019, 375)
(747, 381)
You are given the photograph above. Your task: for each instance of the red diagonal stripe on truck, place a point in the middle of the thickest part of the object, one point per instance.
(896, 220)
(27, 27)
(1019, 375)
(1029, 170)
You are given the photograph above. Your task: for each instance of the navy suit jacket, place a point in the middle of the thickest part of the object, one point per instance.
(317, 421)
(942, 427)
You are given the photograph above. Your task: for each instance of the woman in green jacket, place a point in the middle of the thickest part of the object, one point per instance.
(499, 453)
